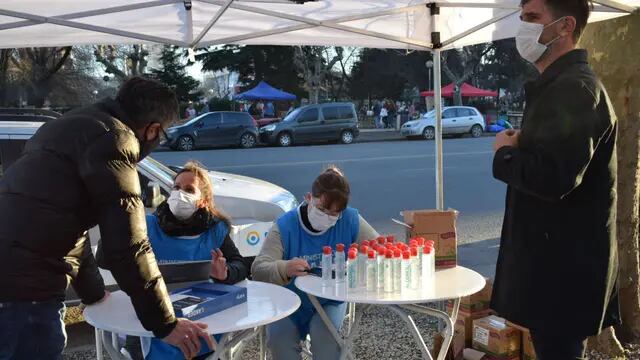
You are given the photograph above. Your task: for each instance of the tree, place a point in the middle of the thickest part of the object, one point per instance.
(122, 61)
(37, 69)
(173, 73)
(460, 65)
(5, 56)
(315, 64)
(273, 64)
(621, 77)
(378, 74)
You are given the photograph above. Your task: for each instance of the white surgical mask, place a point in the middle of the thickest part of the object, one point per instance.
(528, 40)
(182, 204)
(319, 220)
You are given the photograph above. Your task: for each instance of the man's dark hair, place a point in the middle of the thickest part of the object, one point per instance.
(579, 9)
(147, 101)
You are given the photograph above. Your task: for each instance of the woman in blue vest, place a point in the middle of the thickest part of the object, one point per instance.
(294, 245)
(189, 227)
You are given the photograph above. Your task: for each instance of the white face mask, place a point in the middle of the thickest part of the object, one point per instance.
(319, 220)
(527, 40)
(182, 204)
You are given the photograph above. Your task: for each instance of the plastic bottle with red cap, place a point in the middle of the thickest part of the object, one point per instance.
(420, 241)
(352, 269)
(428, 264)
(397, 270)
(372, 271)
(405, 272)
(380, 266)
(415, 268)
(362, 265)
(339, 261)
(388, 271)
(326, 263)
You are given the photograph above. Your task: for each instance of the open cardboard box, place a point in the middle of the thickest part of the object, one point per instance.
(439, 226)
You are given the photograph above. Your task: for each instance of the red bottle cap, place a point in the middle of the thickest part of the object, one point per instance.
(326, 250)
(388, 254)
(354, 246)
(365, 243)
(372, 254)
(420, 241)
(391, 239)
(364, 249)
(388, 245)
(413, 242)
(430, 242)
(406, 255)
(352, 255)
(397, 253)
(414, 251)
(381, 240)
(340, 247)
(427, 250)
(382, 250)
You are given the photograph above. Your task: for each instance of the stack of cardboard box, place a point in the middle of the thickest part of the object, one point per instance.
(499, 341)
(472, 307)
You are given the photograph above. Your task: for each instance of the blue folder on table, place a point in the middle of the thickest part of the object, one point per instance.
(206, 298)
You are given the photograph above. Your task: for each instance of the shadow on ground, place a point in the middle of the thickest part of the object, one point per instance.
(480, 256)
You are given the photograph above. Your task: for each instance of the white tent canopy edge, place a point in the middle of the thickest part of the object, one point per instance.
(404, 24)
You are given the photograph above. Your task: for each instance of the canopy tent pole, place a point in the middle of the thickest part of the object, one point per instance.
(434, 10)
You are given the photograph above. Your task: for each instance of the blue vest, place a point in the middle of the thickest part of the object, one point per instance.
(173, 249)
(298, 242)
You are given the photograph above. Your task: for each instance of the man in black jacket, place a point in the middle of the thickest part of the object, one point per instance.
(76, 172)
(557, 267)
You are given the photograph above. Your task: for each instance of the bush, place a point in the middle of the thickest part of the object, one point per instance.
(217, 104)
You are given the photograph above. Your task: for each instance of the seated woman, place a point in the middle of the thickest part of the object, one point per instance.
(294, 245)
(189, 227)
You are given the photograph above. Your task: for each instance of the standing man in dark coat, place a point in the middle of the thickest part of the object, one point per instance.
(558, 264)
(77, 172)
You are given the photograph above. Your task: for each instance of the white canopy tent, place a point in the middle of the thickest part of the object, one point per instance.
(401, 24)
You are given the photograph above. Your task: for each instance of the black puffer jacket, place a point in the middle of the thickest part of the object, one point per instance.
(79, 171)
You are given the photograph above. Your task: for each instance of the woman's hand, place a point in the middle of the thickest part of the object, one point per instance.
(297, 267)
(218, 265)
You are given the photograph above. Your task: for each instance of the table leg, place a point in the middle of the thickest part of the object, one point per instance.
(107, 342)
(345, 343)
(98, 345)
(263, 342)
(448, 323)
(414, 331)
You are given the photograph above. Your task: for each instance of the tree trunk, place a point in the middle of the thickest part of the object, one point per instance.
(621, 76)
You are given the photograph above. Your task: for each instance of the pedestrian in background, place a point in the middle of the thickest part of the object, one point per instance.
(558, 242)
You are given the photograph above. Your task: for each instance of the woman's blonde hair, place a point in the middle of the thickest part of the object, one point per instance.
(206, 188)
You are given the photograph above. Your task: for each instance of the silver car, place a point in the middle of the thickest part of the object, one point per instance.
(456, 120)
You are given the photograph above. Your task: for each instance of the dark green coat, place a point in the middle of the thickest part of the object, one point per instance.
(558, 262)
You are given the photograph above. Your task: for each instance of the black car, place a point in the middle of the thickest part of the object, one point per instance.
(311, 123)
(219, 128)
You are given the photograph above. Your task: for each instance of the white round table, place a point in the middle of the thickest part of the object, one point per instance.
(447, 284)
(266, 303)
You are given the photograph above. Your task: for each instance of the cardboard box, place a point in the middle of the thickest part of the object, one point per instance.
(439, 226)
(528, 351)
(495, 337)
(437, 345)
(464, 324)
(477, 302)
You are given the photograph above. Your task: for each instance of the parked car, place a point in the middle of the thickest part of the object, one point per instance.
(311, 123)
(252, 204)
(27, 114)
(219, 128)
(267, 121)
(456, 120)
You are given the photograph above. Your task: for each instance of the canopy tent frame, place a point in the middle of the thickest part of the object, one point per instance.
(432, 41)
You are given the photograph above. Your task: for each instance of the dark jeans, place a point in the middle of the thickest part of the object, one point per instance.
(32, 330)
(554, 347)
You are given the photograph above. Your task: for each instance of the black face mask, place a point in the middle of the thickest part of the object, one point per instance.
(146, 146)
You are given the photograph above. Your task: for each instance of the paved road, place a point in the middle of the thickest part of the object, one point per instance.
(385, 177)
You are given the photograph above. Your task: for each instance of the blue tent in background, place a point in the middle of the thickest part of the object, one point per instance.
(264, 91)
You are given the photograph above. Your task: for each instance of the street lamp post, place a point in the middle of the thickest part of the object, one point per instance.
(429, 65)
